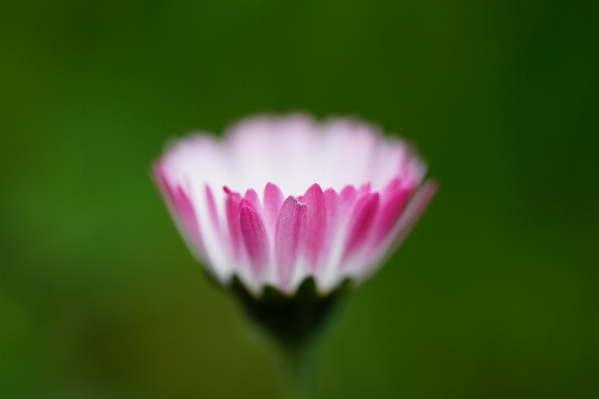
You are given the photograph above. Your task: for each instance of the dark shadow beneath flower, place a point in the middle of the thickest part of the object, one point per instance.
(292, 320)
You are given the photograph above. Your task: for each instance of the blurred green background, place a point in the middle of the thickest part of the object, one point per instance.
(494, 295)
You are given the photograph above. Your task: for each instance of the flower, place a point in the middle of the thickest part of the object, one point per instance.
(283, 199)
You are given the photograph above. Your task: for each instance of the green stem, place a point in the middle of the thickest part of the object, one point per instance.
(301, 370)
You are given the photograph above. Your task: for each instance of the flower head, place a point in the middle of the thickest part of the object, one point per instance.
(282, 199)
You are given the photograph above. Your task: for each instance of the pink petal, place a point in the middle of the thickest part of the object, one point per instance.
(273, 199)
(391, 187)
(407, 219)
(414, 210)
(346, 199)
(289, 234)
(181, 207)
(389, 212)
(363, 190)
(254, 237)
(232, 211)
(212, 208)
(330, 199)
(316, 222)
(188, 216)
(252, 197)
(361, 219)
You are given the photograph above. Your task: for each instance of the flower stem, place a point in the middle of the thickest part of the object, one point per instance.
(301, 370)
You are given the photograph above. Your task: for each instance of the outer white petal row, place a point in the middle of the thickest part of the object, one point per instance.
(282, 198)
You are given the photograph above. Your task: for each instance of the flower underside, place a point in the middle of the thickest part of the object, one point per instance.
(290, 319)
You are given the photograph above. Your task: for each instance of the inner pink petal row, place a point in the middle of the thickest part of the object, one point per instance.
(334, 198)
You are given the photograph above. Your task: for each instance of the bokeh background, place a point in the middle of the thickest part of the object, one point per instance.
(494, 295)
